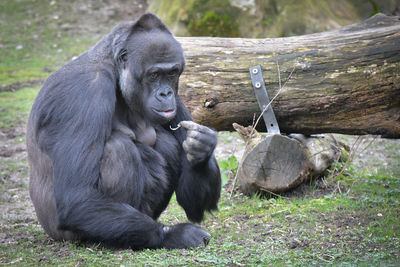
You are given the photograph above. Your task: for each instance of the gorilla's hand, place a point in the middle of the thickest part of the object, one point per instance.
(200, 142)
(185, 235)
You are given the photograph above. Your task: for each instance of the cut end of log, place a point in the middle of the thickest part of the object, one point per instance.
(276, 164)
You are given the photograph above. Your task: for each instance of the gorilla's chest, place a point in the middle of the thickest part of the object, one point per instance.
(159, 172)
(146, 135)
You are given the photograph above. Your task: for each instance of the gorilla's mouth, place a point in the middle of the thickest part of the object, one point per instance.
(167, 114)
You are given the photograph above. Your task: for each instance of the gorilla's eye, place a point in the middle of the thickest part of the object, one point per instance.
(154, 75)
(173, 72)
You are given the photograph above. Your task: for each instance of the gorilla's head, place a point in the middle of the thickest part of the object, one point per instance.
(150, 64)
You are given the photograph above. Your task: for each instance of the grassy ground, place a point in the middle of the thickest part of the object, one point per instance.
(349, 219)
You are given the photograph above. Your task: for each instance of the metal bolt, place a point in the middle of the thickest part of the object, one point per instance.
(255, 71)
(257, 85)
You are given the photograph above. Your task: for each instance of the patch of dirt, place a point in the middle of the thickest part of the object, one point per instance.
(336, 229)
(229, 145)
(14, 198)
(8, 151)
(18, 85)
(376, 153)
(97, 17)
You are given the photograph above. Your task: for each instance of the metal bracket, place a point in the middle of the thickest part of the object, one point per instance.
(263, 100)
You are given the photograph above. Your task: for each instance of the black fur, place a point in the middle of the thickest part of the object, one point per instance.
(91, 179)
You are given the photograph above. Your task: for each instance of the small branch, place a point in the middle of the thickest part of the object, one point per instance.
(272, 193)
(279, 74)
(349, 159)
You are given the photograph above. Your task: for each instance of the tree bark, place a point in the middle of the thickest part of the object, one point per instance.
(345, 80)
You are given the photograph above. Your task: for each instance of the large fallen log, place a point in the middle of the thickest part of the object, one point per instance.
(345, 80)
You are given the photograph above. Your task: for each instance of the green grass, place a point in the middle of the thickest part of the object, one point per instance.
(228, 168)
(359, 228)
(32, 40)
(15, 106)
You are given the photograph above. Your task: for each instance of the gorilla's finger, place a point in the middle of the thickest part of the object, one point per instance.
(188, 125)
(185, 146)
(205, 139)
(189, 148)
(191, 158)
(193, 134)
(186, 235)
(192, 126)
(195, 144)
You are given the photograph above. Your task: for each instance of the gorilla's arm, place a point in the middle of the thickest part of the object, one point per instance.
(199, 184)
(73, 119)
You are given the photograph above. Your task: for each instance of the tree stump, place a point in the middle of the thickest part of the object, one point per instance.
(277, 163)
(274, 163)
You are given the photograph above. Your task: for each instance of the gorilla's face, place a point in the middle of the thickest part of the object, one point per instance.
(150, 77)
(160, 82)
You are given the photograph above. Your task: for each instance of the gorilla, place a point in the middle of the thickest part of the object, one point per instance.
(103, 154)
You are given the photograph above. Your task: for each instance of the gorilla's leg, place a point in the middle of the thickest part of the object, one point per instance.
(42, 192)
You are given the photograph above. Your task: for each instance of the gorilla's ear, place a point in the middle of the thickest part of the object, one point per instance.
(149, 21)
(118, 43)
(122, 55)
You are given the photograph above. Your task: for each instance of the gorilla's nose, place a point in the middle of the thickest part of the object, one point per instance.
(164, 93)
